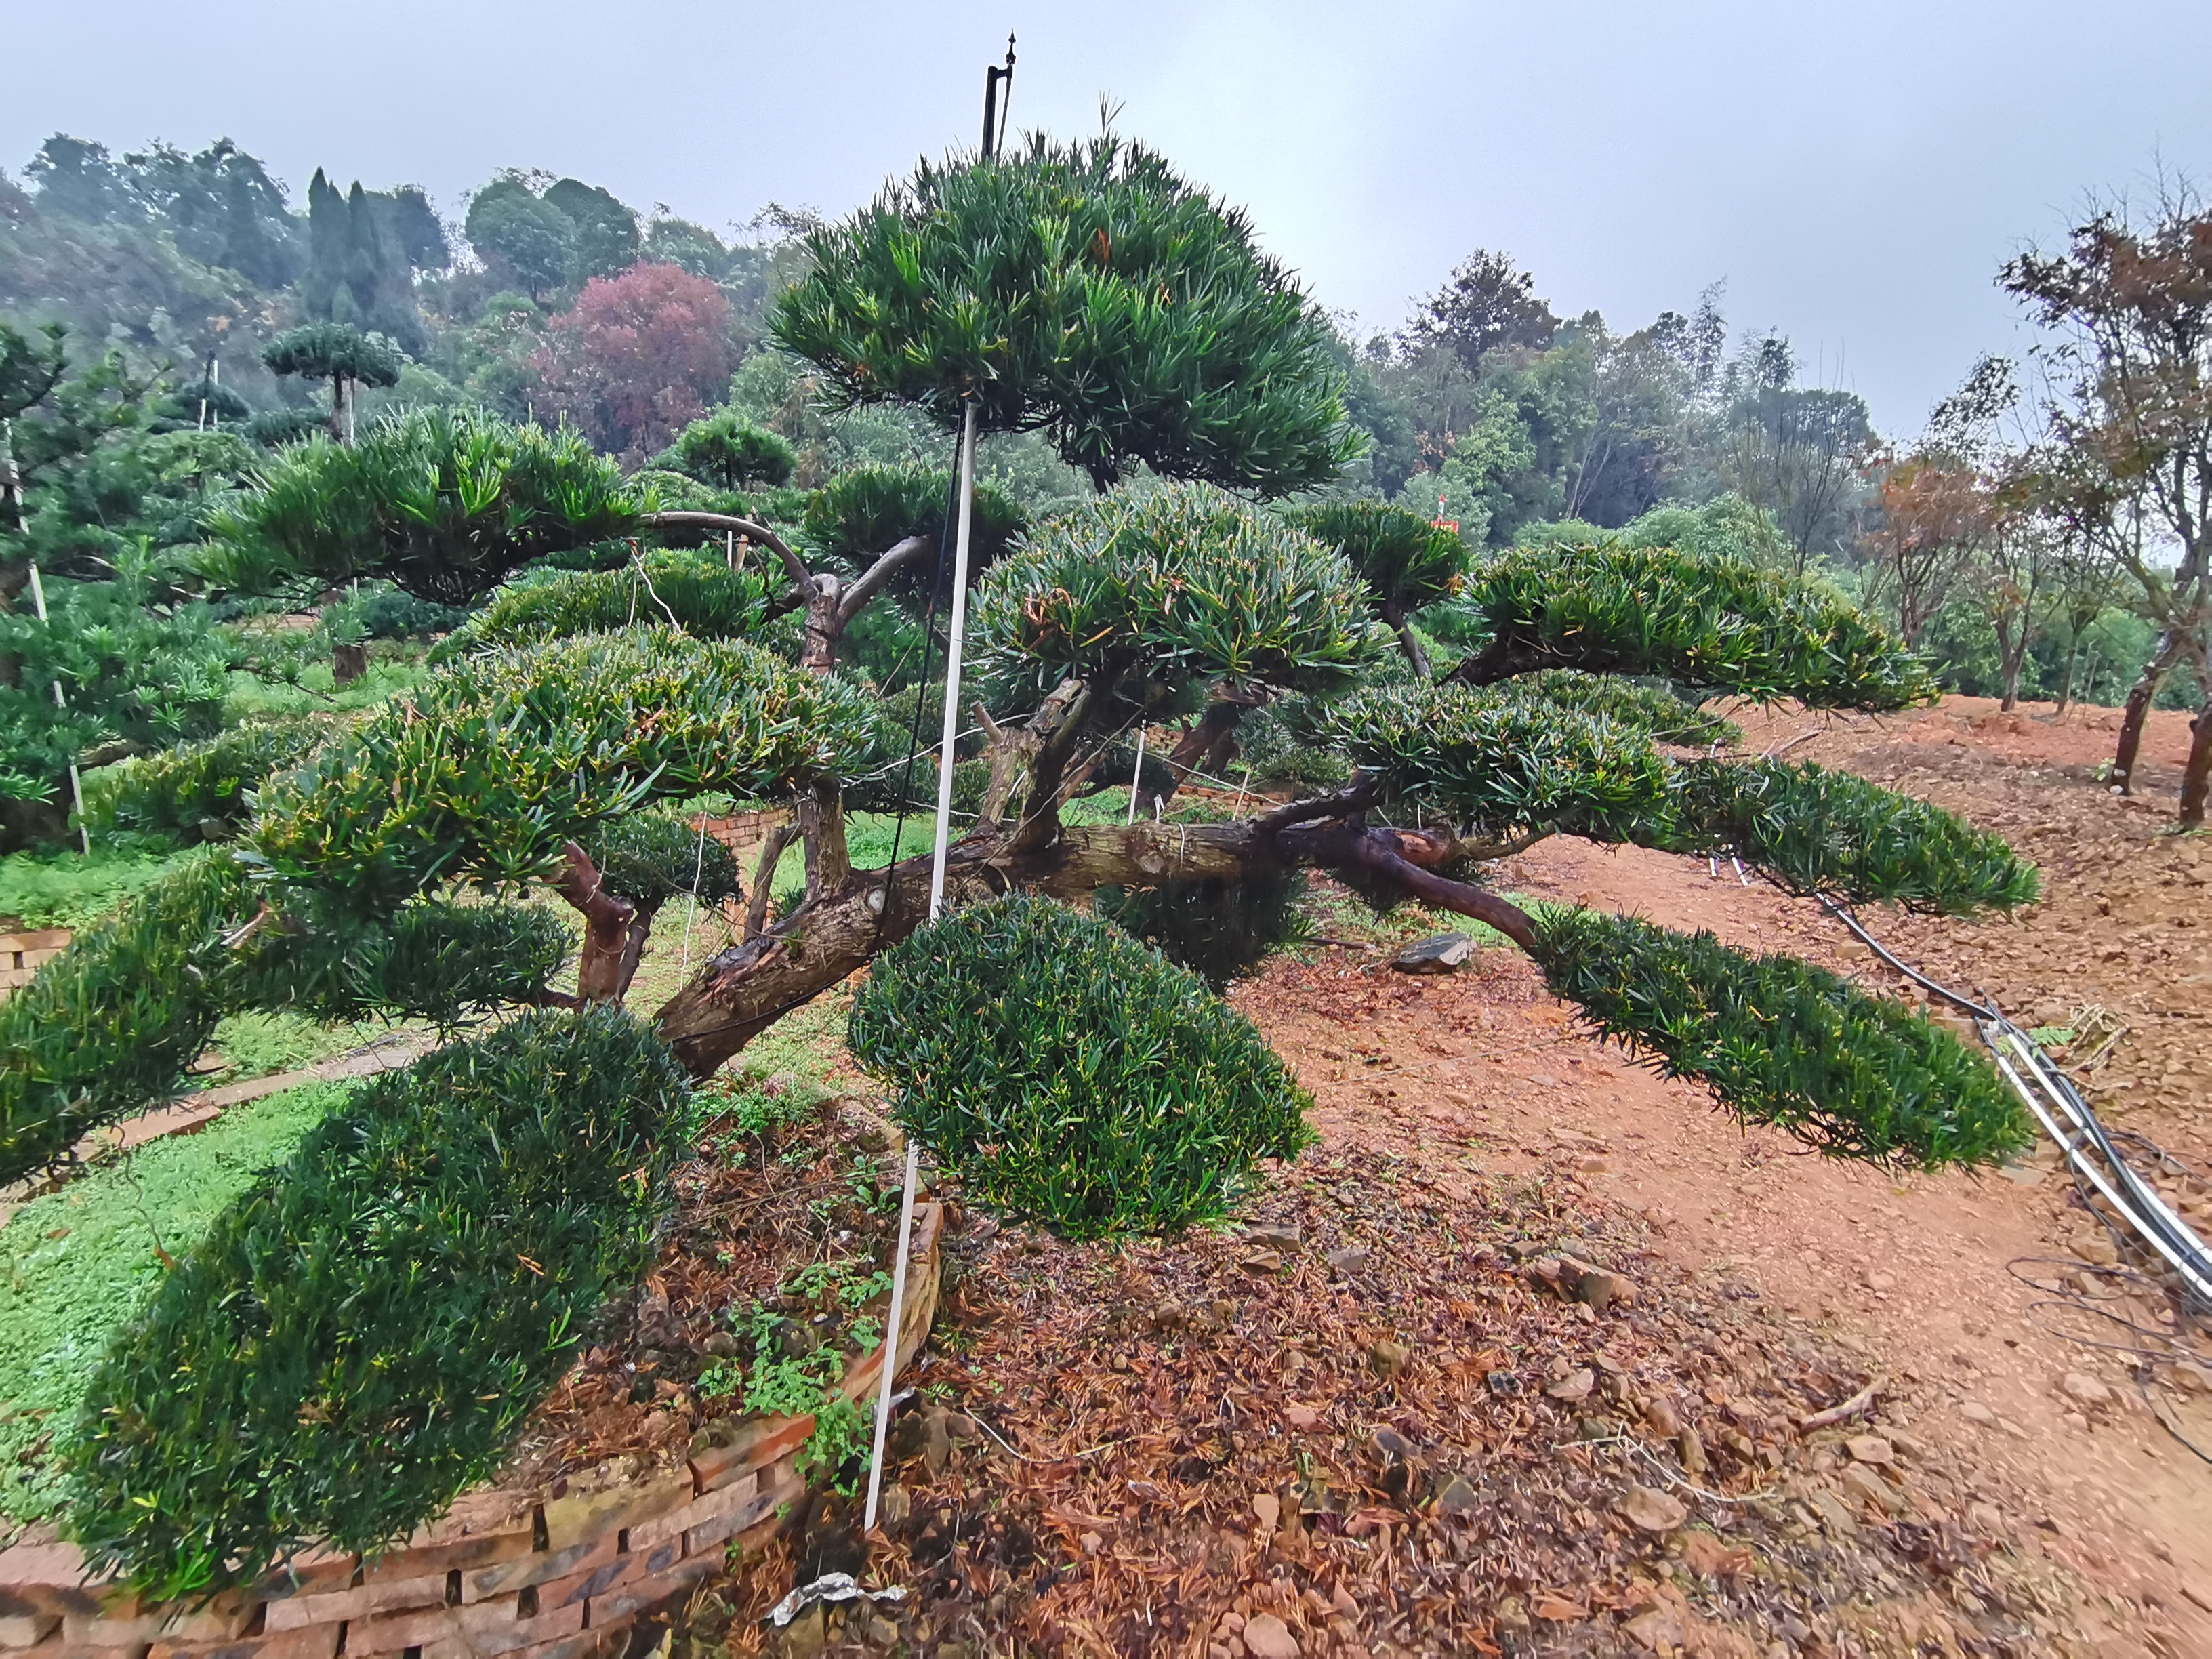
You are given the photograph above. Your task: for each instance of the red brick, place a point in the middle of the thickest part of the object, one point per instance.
(55, 1647)
(505, 1577)
(316, 1642)
(47, 1579)
(757, 1443)
(698, 1512)
(583, 1517)
(311, 1572)
(492, 1627)
(219, 1621)
(397, 1631)
(449, 1555)
(607, 1576)
(715, 1530)
(365, 1601)
(785, 1491)
(584, 1644)
(657, 1591)
(23, 1629)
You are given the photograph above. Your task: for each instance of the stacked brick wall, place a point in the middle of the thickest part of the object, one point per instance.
(21, 954)
(564, 1574)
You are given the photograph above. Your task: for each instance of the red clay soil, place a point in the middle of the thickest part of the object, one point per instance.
(1208, 1454)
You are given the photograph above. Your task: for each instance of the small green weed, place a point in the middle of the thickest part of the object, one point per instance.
(840, 1437)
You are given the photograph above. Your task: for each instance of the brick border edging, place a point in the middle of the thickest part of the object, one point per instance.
(504, 1572)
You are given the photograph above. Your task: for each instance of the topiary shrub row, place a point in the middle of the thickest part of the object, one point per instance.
(1831, 832)
(1697, 619)
(357, 1339)
(178, 791)
(1781, 1041)
(1070, 1073)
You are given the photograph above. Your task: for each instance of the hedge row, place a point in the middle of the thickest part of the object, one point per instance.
(1069, 1073)
(358, 1337)
(1781, 1041)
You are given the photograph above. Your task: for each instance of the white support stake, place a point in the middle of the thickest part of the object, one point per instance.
(77, 787)
(958, 626)
(1137, 774)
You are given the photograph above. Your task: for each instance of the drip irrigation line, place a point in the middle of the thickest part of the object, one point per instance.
(2094, 1159)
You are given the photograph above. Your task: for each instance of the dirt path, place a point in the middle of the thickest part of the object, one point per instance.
(1484, 1071)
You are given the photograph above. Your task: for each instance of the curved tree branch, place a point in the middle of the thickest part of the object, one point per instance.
(864, 586)
(759, 533)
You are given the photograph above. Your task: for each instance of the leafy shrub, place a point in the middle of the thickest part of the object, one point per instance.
(127, 669)
(702, 594)
(650, 858)
(1180, 583)
(1220, 929)
(1783, 1043)
(497, 760)
(320, 1367)
(175, 791)
(1653, 708)
(1069, 1073)
(388, 613)
(433, 960)
(861, 515)
(721, 449)
(109, 1026)
(1697, 619)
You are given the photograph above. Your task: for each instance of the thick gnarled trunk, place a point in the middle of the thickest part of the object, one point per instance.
(742, 991)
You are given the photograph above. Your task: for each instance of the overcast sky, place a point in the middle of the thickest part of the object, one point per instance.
(1855, 172)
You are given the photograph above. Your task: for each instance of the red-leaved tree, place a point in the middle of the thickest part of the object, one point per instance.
(638, 357)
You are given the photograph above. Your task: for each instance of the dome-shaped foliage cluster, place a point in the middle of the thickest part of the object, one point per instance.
(1087, 291)
(1067, 1073)
(1177, 584)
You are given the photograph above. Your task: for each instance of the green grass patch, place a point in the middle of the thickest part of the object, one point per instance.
(256, 1044)
(63, 888)
(74, 1264)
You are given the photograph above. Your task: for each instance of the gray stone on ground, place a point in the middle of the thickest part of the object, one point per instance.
(1443, 953)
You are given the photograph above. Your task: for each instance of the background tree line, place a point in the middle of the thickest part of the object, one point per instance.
(171, 317)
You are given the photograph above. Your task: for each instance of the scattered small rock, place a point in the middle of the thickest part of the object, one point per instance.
(1573, 1387)
(2080, 1386)
(1349, 1261)
(1692, 1450)
(1302, 1418)
(1457, 1497)
(1442, 953)
(1659, 1413)
(1650, 1510)
(1282, 1235)
(1503, 1381)
(1262, 1262)
(1708, 1555)
(1863, 1484)
(1387, 1359)
(1269, 1509)
(1870, 1449)
(1266, 1637)
(1391, 1443)
(1977, 1413)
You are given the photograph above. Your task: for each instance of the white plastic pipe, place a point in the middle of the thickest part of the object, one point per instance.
(77, 786)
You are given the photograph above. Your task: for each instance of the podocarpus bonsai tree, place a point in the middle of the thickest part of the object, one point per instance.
(316, 1368)
(344, 356)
